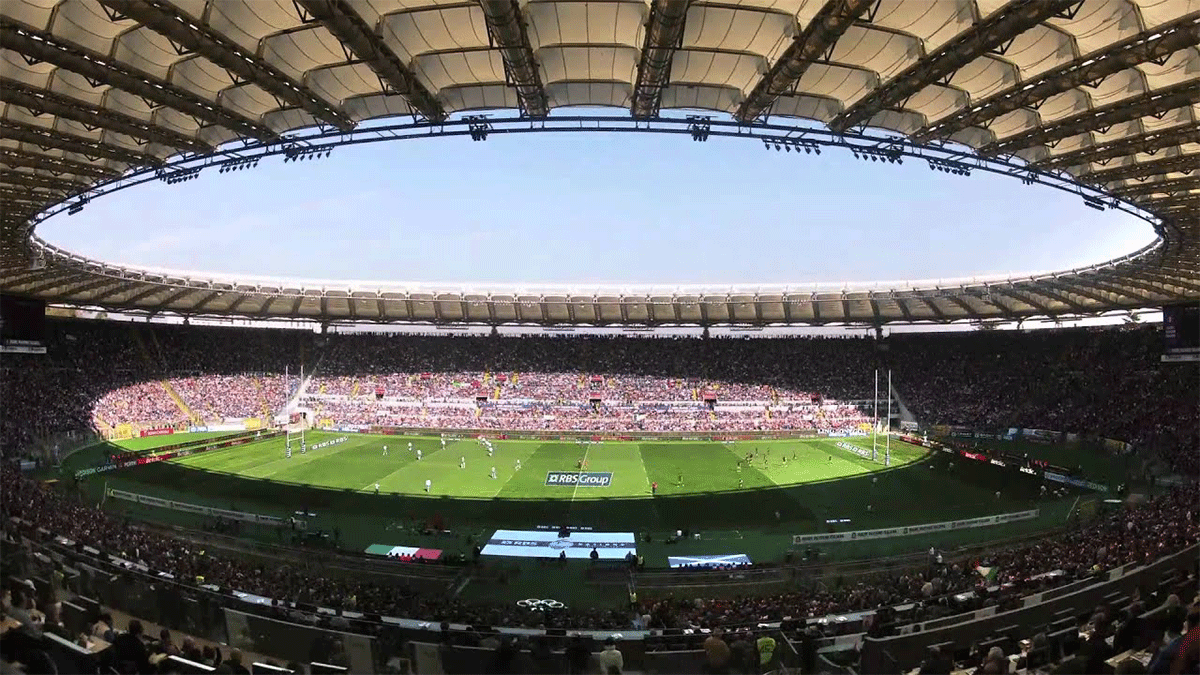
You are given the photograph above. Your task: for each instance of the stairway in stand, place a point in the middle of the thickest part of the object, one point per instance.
(159, 367)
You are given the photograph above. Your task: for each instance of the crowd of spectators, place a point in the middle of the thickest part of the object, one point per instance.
(1106, 382)
(562, 416)
(1138, 533)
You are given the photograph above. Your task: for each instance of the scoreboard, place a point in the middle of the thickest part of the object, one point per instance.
(1181, 332)
(22, 325)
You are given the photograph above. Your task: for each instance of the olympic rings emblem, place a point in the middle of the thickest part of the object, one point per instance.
(540, 605)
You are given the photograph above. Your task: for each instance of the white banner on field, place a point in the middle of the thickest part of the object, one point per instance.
(547, 544)
(886, 533)
(193, 508)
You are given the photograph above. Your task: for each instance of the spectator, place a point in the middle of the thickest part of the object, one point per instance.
(610, 659)
(716, 653)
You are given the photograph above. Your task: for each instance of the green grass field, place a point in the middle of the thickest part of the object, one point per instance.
(819, 482)
(359, 464)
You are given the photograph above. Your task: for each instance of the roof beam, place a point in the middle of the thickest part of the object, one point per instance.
(31, 193)
(347, 25)
(986, 35)
(266, 306)
(1052, 294)
(237, 302)
(91, 285)
(937, 311)
(148, 291)
(1026, 298)
(37, 180)
(119, 285)
(1153, 187)
(1142, 48)
(296, 303)
(166, 302)
(94, 67)
(1142, 143)
(1185, 163)
(206, 300)
(1186, 199)
(167, 21)
(1077, 289)
(1104, 281)
(51, 103)
(817, 38)
(16, 157)
(664, 34)
(57, 282)
(1150, 103)
(50, 138)
(1176, 281)
(30, 276)
(903, 305)
(507, 31)
(1102, 285)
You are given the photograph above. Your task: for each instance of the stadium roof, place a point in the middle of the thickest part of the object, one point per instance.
(1103, 93)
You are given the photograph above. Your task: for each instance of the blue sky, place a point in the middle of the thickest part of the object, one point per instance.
(596, 208)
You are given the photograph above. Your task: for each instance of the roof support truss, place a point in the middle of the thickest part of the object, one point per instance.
(986, 35)
(1028, 296)
(1186, 199)
(57, 282)
(1154, 187)
(49, 138)
(34, 180)
(173, 297)
(817, 38)
(95, 68)
(92, 116)
(664, 34)
(1142, 143)
(347, 25)
(1119, 292)
(506, 28)
(204, 302)
(16, 157)
(1152, 103)
(937, 311)
(1163, 42)
(150, 290)
(1025, 298)
(1177, 281)
(1184, 163)
(1077, 289)
(92, 285)
(165, 20)
(1103, 282)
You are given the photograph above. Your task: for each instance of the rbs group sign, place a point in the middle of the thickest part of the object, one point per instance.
(579, 478)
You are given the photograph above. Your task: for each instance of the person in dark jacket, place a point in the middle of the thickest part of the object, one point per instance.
(129, 653)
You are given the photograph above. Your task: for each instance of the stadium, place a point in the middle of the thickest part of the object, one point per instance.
(216, 472)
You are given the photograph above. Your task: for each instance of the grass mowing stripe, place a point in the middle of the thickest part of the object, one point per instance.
(582, 466)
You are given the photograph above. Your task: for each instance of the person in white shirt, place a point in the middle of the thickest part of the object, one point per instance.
(377, 488)
(493, 472)
(410, 448)
(385, 451)
(610, 660)
(428, 484)
(418, 453)
(462, 462)
(518, 465)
